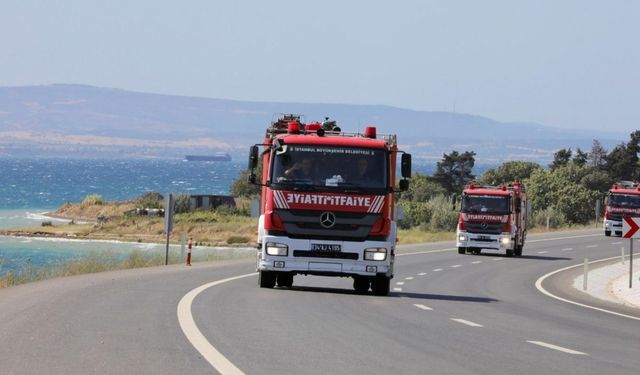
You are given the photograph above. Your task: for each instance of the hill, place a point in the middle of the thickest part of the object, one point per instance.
(80, 120)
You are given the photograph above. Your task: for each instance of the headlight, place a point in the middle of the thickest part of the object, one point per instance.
(277, 249)
(505, 240)
(375, 253)
(462, 238)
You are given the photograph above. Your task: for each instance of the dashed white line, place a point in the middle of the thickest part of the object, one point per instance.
(556, 347)
(422, 273)
(456, 265)
(616, 243)
(400, 283)
(409, 278)
(567, 249)
(497, 259)
(476, 262)
(592, 245)
(437, 270)
(466, 322)
(397, 289)
(542, 252)
(422, 307)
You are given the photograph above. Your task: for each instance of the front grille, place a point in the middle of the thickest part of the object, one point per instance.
(325, 254)
(477, 227)
(615, 217)
(351, 226)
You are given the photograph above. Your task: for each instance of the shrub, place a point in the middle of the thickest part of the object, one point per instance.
(443, 218)
(150, 200)
(182, 203)
(539, 218)
(93, 199)
(237, 239)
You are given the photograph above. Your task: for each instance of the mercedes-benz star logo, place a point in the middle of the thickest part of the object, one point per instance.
(327, 219)
(484, 225)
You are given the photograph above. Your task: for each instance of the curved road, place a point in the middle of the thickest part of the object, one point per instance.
(447, 314)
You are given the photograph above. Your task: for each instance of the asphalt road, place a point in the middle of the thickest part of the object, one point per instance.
(447, 314)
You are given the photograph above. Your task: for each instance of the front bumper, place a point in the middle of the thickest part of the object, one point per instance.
(298, 259)
(503, 241)
(613, 226)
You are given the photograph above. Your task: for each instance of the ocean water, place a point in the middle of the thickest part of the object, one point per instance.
(31, 187)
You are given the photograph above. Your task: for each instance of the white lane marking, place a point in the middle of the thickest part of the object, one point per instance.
(409, 278)
(400, 283)
(397, 289)
(437, 270)
(422, 307)
(469, 323)
(592, 246)
(556, 347)
(546, 292)
(195, 336)
(476, 262)
(497, 259)
(616, 243)
(528, 241)
(567, 249)
(565, 238)
(422, 273)
(542, 252)
(456, 265)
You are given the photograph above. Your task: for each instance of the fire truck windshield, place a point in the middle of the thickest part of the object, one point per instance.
(490, 204)
(624, 200)
(313, 167)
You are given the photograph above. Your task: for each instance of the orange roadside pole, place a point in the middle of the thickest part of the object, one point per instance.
(189, 245)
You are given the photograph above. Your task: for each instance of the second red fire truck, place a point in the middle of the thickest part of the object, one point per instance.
(493, 217)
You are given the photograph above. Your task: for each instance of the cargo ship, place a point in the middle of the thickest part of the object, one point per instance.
(218, 156)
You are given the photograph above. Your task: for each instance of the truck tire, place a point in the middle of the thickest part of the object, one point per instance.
(285, 279)
(509, 253)
(476, 250)
(462, 250)
(267, 279)
(607, 233)
(380, 285)
(361, 284)
(518, 251)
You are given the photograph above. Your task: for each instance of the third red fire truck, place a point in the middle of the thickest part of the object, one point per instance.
(493, 217)
(622, 200)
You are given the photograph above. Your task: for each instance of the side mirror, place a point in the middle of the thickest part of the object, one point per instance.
(404, 185)
(253, 157)
(405, 165)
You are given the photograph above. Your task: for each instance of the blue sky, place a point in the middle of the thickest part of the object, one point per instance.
(569, 64)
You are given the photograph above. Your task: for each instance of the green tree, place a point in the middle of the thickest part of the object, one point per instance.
(454, 171)
(598, 155)
(561, 158)
(240, 187)
(509, 172)
(580, 158)
(421, 189)
(622, 163)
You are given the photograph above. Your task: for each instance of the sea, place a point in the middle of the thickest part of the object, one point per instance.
(31, 187)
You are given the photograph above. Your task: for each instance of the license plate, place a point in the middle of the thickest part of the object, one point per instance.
(325, 247)
(484, 237)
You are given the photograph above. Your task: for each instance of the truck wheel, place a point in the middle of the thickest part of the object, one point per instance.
(380, 285)
(476, 250)
(267, 279)
(361, 284)
(462, 250)
(607, 233)
(509, 252)
(518, 251)
(285, 279)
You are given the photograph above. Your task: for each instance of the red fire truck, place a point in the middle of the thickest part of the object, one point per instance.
(327, 203)
(623, 199)
(493, 217)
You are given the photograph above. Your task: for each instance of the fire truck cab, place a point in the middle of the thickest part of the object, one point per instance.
(327, 203)
(493, 217)
(623, 199)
